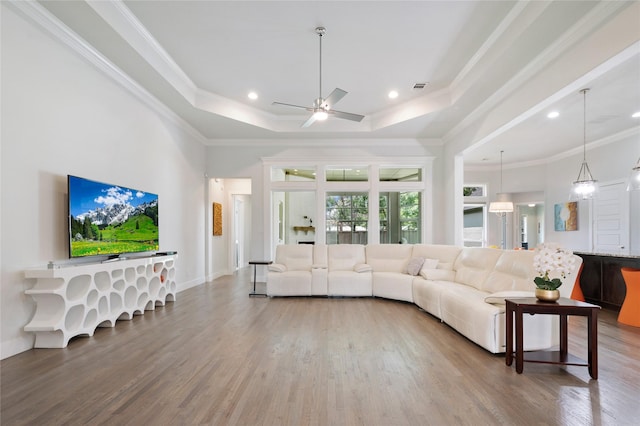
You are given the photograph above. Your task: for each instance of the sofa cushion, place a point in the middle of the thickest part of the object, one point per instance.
(473, 265)
(388, 257)
(393, 285)
(414, 265)
(296, 257)
(513, 271)
(344, 257)
(446, 255)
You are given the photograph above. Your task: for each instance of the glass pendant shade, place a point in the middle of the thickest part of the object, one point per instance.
(634, 178)
(585, 186)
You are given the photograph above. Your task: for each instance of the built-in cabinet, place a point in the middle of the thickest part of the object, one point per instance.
(601, 280)
(74, 300)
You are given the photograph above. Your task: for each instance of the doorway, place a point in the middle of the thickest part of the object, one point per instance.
(241, 231)
(530, 225)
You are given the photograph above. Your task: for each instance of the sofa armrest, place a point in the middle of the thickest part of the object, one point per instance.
(438, 274)
(319, 266)
(276, 267)
(499, 297)
(362, 267)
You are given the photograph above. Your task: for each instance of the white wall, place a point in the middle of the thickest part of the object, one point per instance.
(60, 116)
(608, 162)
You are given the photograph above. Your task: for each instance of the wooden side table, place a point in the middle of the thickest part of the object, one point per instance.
(255, 264)
(563, 307)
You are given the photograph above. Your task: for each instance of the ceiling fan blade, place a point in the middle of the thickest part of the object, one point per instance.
(310, 121)
(334, 97)
(291, 105)
(346, 115)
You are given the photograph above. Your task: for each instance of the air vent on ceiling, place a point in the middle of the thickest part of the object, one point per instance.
(419, 86)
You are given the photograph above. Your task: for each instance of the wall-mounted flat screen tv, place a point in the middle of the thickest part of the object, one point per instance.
(109, 220)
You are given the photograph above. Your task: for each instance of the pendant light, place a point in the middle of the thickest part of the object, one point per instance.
(503, 205)
(585, 185)
(634, 178)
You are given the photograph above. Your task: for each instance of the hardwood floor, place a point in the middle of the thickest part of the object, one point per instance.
(218, 357)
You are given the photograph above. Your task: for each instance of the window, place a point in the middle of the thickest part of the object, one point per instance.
(292, 174)
(347, 216)
(395, 174)
(400, 217)
(326, 201)
(474, 230)
(293, 217)
(347, 174)
(474, 191)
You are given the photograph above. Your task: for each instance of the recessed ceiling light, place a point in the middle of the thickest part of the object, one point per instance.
(636, 114)
(253, 96)
(553, 114)
(393, 94)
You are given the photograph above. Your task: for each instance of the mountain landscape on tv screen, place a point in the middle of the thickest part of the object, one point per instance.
(105, 219)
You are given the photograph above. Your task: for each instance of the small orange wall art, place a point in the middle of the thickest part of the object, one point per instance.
(217, 219)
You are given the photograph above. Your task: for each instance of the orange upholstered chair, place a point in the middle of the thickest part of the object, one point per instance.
(576, 293)
(630, 311)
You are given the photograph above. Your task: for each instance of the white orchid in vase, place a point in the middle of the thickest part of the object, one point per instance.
(550, 258)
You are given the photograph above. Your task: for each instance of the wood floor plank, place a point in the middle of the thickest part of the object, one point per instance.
(219, 357)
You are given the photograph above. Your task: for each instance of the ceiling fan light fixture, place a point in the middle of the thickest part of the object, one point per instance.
(320, 115)
(323, 107)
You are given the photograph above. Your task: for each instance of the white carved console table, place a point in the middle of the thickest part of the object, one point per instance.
(74, 300)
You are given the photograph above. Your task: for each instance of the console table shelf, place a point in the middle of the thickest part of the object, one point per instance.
(75, 300)
(304, 229)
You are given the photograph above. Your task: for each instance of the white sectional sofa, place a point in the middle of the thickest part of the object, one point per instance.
(463, 287)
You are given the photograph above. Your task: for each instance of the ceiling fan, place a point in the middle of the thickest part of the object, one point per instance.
(323, 107)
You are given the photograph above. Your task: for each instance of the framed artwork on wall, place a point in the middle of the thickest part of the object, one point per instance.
(217, 219)
(565, 216)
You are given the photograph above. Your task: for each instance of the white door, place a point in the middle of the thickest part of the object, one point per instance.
(611, 219)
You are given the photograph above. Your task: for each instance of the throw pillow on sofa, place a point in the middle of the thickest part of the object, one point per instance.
(414, 265)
